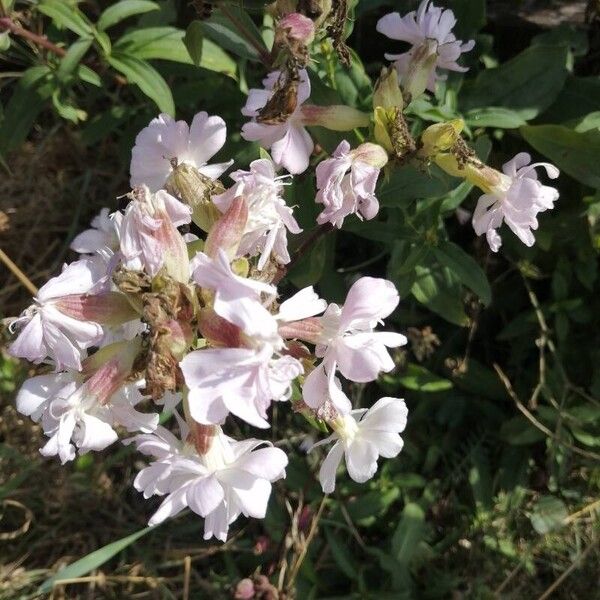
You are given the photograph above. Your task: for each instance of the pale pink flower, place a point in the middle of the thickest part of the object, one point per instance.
(82, 415)
(149, 237)
(515, 199)
(428, 29)
(321, 387)
(290, 143)
(361, 437)
(48, 330)
(347, 339)
(166, 142)
(302, 305)
(103, 236)
(232, 478)
(237, 299)
(269, 217)
(240, 381)
(346, 182)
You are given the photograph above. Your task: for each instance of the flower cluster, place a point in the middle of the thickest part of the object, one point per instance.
(174, 304)
(153, 317)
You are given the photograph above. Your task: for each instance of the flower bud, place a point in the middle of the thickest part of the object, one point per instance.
(420, 69)
(298, 27)
(309, 330)
(218, 331)
(196, 190)
(485, 178)
(110, 367)
(391, 132)
(106, 308)
(334, 117)
(227, 232)
(440, 137)
(372, 154)
(387, 92)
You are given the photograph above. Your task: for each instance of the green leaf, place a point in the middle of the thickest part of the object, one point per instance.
(578, 154)
(470, 16)
(465, 267)
(92, 561)
(518, 431)
(166, 43)
(221, 30)
(418, 378)
(526, 84)
(122, 10)
(66, 15)
(409, 534)
(494, 116)
(408, 183)
(146, 77)
(341, 555)
(73, 57)
(579, 97)
(193, 39)
(88, 75)
(548, 515)
(438, 289)
(31, 93)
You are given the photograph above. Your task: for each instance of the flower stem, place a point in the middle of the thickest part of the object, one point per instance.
(6, 23)
(18, 273)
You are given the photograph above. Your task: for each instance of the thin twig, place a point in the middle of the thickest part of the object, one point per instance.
(537, 423)
(576, 563)
(304, 551)
(18, 273)
(7, 24)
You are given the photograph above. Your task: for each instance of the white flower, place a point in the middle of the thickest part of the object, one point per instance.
(346, 182)
(241, 381)
(102, 238)
(269, 217)
(166, 142)
(77, 414)
(149, 236)
(347, 340)
(516, 199)
(237, 299)
(320, 387)
(232, 478)
(362, 437)
(290, 143)
(429, 29)
(48, 330)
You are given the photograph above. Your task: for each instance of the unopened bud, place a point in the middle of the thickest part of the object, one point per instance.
(420, 69)
(440, 137)
(334, 117)
(196, 190)
(107, 308)
(110, 367)
(387, 92)
(298, 27)
(391, 132)
(218, 331)
(310, 330)
(372, 154)
(227, 232)
(204, 436)
(485, 178)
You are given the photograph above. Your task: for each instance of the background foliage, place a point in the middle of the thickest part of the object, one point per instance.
(497, 491)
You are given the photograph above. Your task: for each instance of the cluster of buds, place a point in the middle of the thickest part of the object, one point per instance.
(154, 315)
